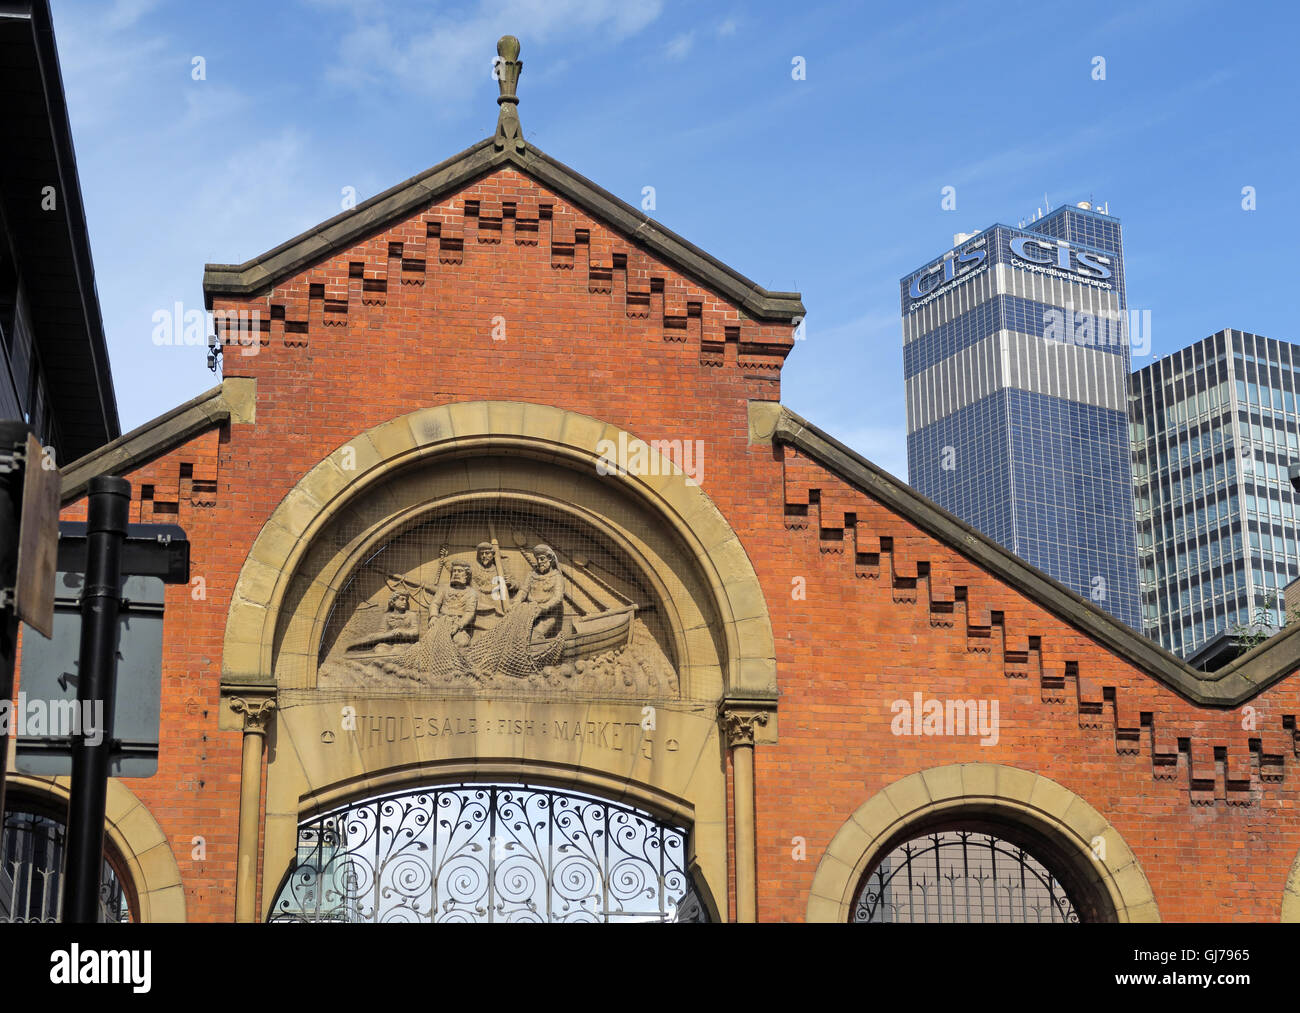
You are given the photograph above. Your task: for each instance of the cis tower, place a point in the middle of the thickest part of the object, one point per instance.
(1016, 364)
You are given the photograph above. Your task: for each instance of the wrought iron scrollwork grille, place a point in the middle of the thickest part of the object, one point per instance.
(488, 853)
(31, 873)
(962, 876)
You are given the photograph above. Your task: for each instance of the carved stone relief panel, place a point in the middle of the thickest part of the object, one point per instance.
(499, 595)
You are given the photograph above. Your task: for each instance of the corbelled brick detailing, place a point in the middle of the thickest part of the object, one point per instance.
(1216, 762)
(170, 488)
(481, 222)
(869, 600)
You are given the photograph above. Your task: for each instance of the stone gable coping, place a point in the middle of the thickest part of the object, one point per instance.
(408, 198)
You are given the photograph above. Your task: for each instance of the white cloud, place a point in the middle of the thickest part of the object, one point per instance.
(106, 60)
(443, 58)
(125, 13)
(680, 46)
(173, 172)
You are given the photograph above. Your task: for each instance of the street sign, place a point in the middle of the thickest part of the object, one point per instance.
(38, 539)
(149, 550)
(47, 713)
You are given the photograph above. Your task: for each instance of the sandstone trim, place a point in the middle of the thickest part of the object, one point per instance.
(137, 838)
(232, 401)
(1018, 795)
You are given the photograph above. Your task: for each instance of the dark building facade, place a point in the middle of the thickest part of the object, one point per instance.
(1215, 426)
(54, 370)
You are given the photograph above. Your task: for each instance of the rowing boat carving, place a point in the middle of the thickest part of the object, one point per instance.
(527, 616)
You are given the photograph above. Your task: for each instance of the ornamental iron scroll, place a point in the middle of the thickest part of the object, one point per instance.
(31, 873)
(488, 853)
(962, 876)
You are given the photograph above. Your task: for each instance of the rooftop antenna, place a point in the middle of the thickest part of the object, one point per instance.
(1046, 201)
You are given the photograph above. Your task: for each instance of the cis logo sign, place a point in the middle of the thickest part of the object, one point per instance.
(1044, 251)
(940, 274)
(1030, 249)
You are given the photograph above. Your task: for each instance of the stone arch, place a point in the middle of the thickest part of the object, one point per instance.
(562, 437)
(133, 833)
(1291, 894)
(1018, 797)
(534, 456)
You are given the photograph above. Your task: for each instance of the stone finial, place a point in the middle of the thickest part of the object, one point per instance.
(506, 70)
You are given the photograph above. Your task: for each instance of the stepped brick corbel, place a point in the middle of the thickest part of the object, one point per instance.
(526, 218)
(620, 272)
(485, 220)
(1233, 772)
(414, 259)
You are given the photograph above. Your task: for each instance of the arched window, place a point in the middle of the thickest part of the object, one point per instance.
(488, 853)
(31, 869)
(963, 875)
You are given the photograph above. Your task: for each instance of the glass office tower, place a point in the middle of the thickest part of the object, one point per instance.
(1214, 427)
(1016, 363)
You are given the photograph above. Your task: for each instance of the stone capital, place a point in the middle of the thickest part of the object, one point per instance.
(257, 712)
(743, 722)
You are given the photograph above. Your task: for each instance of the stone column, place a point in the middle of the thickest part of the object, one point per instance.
(739, 724)
(257, 713)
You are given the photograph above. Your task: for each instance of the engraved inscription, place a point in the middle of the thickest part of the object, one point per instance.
(617, 736)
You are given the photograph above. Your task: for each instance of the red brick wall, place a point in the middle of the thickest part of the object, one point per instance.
(1215, 839)
(595, 326)
(196, 790)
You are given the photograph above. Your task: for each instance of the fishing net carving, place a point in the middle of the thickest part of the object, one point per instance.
(496, 595)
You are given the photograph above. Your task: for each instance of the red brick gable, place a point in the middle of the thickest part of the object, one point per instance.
(505, 289)
(514, 233)
(1202, 794)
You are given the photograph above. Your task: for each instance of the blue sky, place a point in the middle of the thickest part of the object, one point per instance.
(829, 185)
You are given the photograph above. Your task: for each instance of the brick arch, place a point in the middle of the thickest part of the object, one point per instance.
(131, 830)
(1019, 797)
(567, 437)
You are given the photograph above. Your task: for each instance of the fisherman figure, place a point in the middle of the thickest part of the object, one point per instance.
(528, 638)
(456, 605)
(487, 579)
